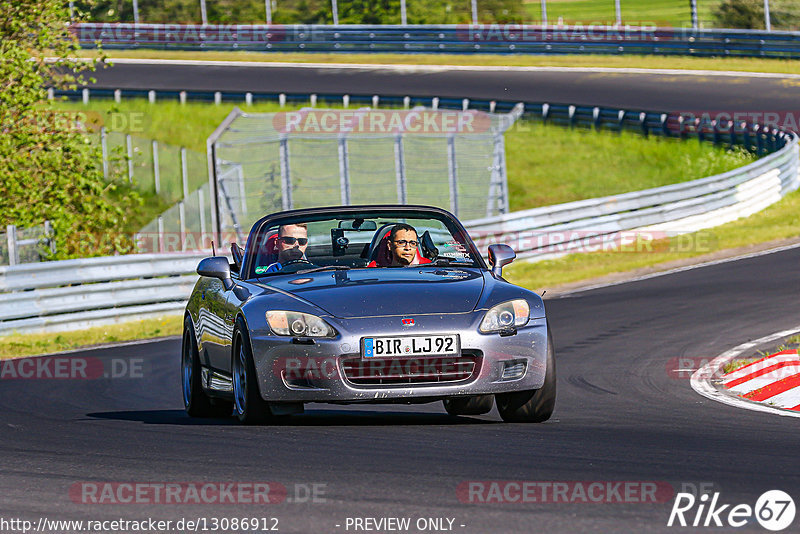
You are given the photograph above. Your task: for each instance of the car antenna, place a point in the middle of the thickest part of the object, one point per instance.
(543, 292)
(213, 248)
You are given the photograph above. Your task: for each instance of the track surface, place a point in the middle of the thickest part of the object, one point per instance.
(658, 92)
(620, 416)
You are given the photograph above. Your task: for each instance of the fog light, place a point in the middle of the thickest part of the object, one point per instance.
(513, 369)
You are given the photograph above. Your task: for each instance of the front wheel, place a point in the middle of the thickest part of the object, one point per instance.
(248, 405)
(532, 406)
(477, 405)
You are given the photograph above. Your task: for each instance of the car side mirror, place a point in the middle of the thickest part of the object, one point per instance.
(500, 256)
(216, 267)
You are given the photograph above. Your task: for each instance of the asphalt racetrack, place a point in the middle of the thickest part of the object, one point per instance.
(623, 414)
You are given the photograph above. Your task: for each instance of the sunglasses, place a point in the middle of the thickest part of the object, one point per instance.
(289, 240)
(403, 242)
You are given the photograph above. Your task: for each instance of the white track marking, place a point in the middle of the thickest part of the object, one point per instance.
(444, 68)
(701, 382)
(100, 347)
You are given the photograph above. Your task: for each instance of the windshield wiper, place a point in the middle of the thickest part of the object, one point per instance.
(325, 268)
(443, 262)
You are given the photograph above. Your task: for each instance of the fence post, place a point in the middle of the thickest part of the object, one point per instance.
(452, 173)
(344, 171)
(104, 149)
(286, 177)
(11, 238)
(268, 7)
(203, 14)
(403, 15)
(160, 231)
(242, 192)
(201, 204)
(129, 143)
(184, 173)
(156, 173)
(335, 10)
(400, 169)
(182, 218)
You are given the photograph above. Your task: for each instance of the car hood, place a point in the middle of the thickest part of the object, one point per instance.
(387, 291)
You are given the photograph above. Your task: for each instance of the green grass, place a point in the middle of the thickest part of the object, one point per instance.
(673, 13)
(18, 345)
(781, 66)
(566, 165)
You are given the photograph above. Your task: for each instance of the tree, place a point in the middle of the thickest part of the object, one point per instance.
(743, 14)
(48, 166)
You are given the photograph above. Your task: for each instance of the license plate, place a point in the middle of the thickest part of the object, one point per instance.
(392, 347)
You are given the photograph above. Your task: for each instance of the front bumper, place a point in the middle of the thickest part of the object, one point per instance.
(292, 371)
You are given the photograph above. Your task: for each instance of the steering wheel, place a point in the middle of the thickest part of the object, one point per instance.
(296, 265)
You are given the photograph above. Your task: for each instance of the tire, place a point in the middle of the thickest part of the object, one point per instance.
(532, 406)
(195, 401)
(248, 405)
(477, 405)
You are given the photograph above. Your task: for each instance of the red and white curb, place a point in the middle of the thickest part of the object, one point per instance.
(771, 384)
(774, 380)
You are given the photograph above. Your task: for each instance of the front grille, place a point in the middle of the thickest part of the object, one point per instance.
(401, 371)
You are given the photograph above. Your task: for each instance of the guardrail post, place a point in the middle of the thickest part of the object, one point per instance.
(85, 95)
(643, 124)
(400, 169)
(344, 171)
(406, 102)
(282, 99)
(129, 144)
(51, 94)
(286, 175)
(313, 100)
(182, 97)
(465, 104)
(620, 120)
(104, 150)
(452, 173)
(248, 99)
(345, 101)
(596, 118)
(11, 239)
(375, 100)
(156, 170)
(545, 112)
(492, 106)
(151, 96)
(217, 98)
(572, 116)
(117, 96)
(435, 102)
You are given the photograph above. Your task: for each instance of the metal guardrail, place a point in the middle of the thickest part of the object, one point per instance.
(466, 38)
(71, 294)
(90, 292)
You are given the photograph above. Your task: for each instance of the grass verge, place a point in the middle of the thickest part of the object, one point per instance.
(18, 345)
(778, 66)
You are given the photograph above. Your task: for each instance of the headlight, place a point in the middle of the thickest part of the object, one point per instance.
(506, 315)
(289, 323)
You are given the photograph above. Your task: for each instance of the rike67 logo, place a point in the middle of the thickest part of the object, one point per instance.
(774, 510)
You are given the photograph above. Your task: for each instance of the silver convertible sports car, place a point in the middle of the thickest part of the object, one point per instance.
(364, 304)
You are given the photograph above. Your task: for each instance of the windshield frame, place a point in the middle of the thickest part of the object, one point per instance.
(353, 212)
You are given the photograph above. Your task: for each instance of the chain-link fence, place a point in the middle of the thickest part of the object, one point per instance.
(266, 162)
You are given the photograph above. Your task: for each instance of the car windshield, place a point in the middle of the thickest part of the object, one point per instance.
(354, 241)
